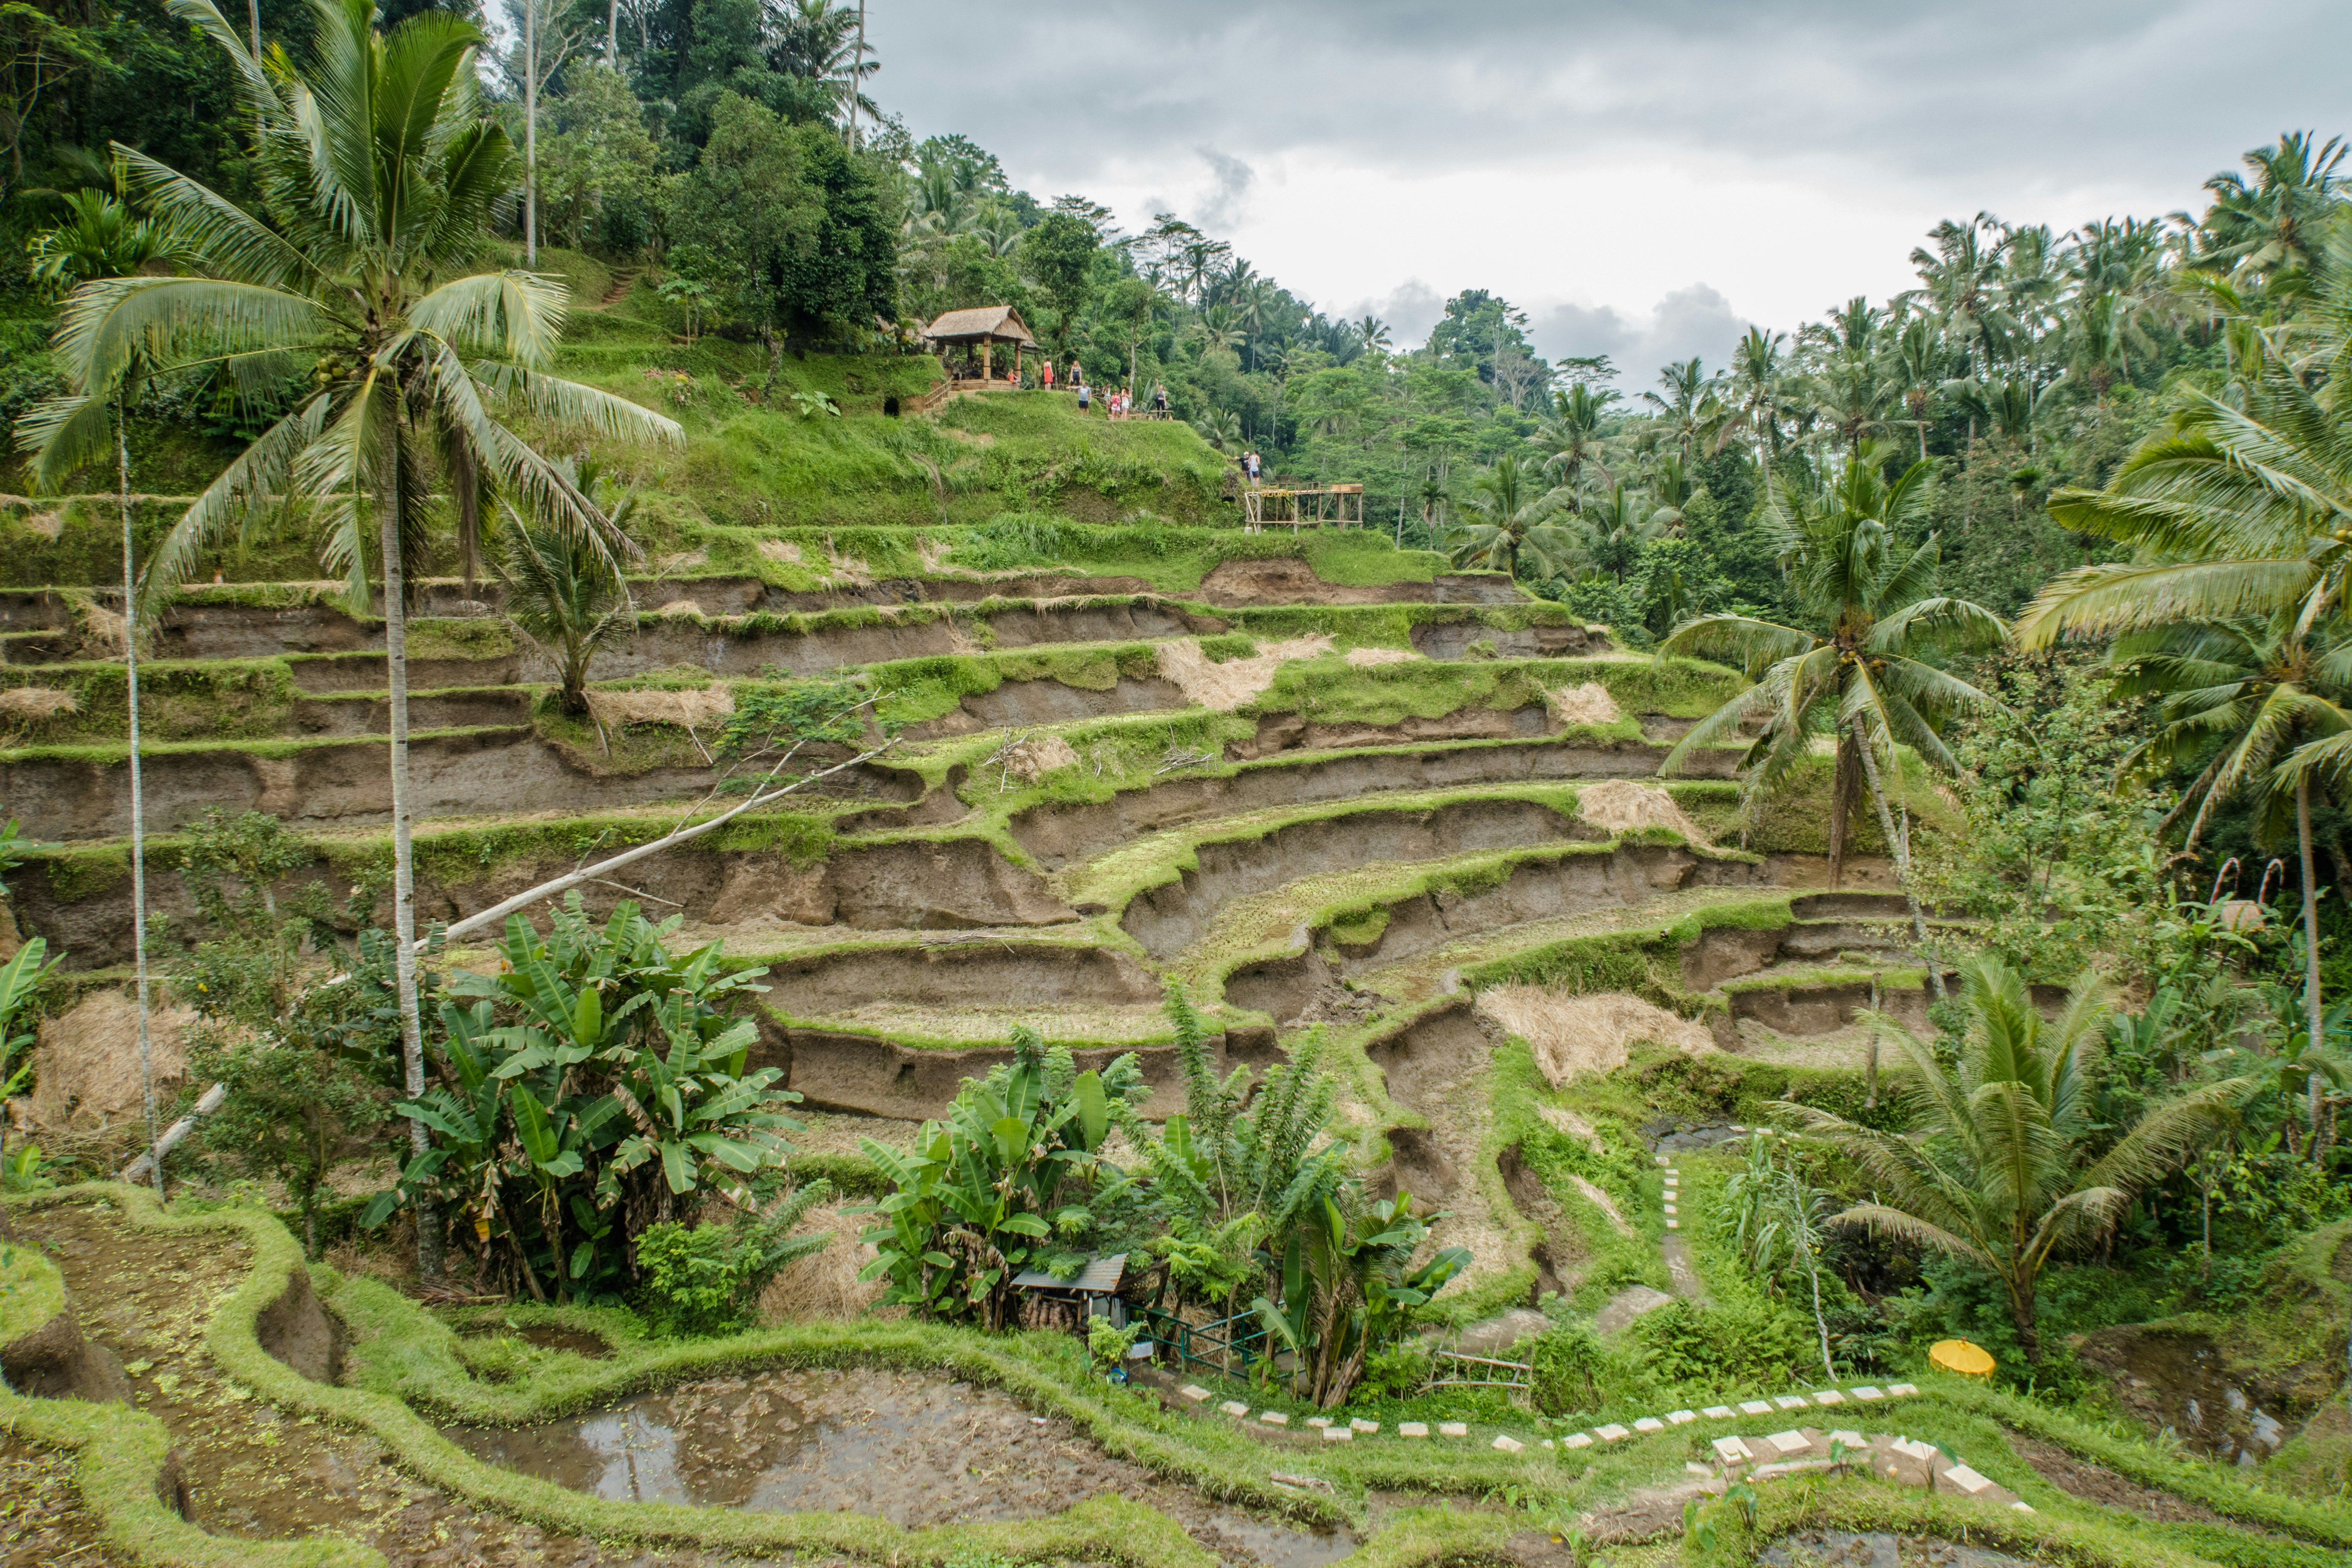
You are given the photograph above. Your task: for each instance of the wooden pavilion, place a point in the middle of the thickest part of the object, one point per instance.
(984, 326)
(1261, 505)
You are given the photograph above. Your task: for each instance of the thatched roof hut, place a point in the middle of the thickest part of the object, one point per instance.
(981, 324)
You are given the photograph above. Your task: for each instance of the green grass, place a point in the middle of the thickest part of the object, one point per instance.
(31, 1291)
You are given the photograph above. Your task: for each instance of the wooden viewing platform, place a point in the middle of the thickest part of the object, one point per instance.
(1279, 504)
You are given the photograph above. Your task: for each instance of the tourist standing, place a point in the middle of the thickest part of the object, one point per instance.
(1086, 397)
(1047, 374)
(1159, 398)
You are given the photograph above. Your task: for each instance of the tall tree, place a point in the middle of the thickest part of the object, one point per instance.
(1510, 524)
(1859, 670)
(379, 170)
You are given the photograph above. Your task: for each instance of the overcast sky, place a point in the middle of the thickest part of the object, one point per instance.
(1644, 179)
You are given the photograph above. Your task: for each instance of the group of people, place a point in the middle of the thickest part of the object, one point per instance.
(1118, 404)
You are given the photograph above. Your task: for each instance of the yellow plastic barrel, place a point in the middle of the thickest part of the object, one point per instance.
(1960, 1356)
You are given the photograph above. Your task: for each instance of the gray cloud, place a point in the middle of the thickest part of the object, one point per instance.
(2094, 91)
(1695, 321)
(1220, 209)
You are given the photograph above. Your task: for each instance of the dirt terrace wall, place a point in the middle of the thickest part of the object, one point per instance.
(1057, 835)
(1022, 703)
(1279, 733)
(864, 1077)
(1574, 882)
(237, 631)
(345, 783)
(949, 885)
(1436, 1048)
(1171, 916)
(1290, 581)
(1454, 640)
(996, 973)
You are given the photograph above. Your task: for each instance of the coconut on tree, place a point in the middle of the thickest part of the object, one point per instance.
(360, 269)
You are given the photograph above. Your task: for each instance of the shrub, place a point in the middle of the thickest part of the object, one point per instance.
(707, 1279)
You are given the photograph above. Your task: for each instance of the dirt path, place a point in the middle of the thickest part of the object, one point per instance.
(623, 281)
(42, 1520)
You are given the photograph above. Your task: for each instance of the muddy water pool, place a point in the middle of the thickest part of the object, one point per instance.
(2179, 1384)
(914, 1449)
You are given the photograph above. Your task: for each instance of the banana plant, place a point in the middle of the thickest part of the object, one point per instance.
(1348, 1291)
(589, 1085)
(19, 978)
(979, 1198)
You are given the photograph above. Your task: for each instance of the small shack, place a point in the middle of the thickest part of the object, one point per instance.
(1093, 1292)
(983, 327)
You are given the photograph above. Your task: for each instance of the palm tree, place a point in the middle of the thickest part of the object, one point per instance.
(1756, 393)
(2246, 692)
(1614, 528)
(1689, 406)
(2277, 224)
(563, 592)
(364, 274)
(1511, 520)
(2234, 514)
(1373, 331)
(1917, 361)
(1858, 669)
(1961, 276)
(1994, 1168)
(1569, 439)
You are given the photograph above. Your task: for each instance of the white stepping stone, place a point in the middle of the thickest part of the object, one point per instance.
(1548, 1444)
(1413, 1428)
(1756, 1407)
(1508, 1443)
(1901, 1390)
(1790, 1442)
(1718, 1413)
(2021, 1508)
(1693, 1466)
(1649, 1424)
(1852, 1440)
(1673, 1224)
(1317, 1422)
(1613, 1433)
(1670, 1209)
(1736, 1128)
(1661, 1159)
(1233, 1407)
(1193, 1391)
(1866, 1393)
(1922, 1452)
(1966, 1479)
(1453, 1428)
(1829, 1396)
(1790, 1401)
(1731, 1450)
(1682, 1417)
(1361, 1425)
(1273, 1418)
(1673, 1180)
(1337, 1435)
(1577, 1440)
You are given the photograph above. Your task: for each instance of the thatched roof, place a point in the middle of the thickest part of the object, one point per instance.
(982, 323)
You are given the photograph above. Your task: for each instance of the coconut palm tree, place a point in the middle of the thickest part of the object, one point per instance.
(1613, 528)
(563, 592)
(2235, 514)
(1511, 522)
(1689, 406)
(2246, 693)
(1570, 438)
(1756, 394)
(1858, 671)
(2277, 222)
(379, 168)
(1994, 1168)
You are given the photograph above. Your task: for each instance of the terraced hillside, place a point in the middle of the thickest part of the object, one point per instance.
(1318, 783)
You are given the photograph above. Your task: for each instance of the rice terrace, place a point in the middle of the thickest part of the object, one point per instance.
(721, 844)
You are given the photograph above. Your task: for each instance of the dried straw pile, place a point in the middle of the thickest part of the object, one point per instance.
(87, 1064)
(1225, 686)
(31, 704)
(1620, 805)
(1578, 1034)
(687, 710)
(1033, 756)
(1365, 658)
(1587, 704)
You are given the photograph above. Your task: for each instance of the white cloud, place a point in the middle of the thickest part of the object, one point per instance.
(1411, 309)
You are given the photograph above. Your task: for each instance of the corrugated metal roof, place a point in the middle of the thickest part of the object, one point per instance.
(1100, 1276)
(1001, 322)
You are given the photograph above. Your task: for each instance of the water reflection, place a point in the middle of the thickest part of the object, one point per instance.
(912, 1450)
